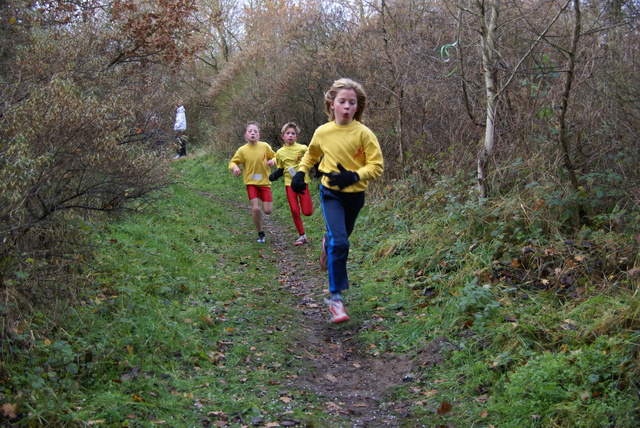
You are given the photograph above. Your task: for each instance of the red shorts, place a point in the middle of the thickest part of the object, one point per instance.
(261, 192)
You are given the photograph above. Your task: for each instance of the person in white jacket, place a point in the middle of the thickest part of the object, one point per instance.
(180, 126)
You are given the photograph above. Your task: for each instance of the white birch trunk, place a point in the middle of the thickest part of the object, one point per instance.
(489, 28)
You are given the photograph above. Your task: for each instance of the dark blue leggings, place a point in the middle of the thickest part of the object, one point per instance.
(340, 212)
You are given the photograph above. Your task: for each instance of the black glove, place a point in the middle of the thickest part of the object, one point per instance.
(297, 183)
(344, 178)
(276, 174)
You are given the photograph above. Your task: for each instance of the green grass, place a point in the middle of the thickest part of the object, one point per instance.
(186, 321)
(187, 325)
(520, 355)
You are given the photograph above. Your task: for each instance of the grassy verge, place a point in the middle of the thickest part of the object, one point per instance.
(539, 330)
(187, 324)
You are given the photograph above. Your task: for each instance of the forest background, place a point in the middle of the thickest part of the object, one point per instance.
(521, 116)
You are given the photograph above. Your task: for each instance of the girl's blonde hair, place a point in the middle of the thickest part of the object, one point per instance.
(253, 122)
(338, 85)
(290, 125)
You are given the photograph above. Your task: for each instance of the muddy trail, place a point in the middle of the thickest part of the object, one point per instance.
(352, 383)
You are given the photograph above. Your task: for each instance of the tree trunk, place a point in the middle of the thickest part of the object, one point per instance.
(563, 139)
(566, 93)
(489, 27)
(397, 88)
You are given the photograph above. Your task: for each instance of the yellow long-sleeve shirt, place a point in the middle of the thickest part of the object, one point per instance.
(287, 156)
(354, 146)
(254, 159)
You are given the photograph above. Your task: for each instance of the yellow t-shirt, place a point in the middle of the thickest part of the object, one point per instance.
(287, 156)
(254, 159)
(354, 146)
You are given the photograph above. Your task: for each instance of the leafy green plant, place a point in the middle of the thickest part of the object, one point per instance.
(568, 386)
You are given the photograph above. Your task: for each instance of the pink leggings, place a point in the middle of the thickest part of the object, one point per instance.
(298, 202)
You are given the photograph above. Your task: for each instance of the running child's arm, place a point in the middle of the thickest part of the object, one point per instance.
(271, 155)
(234, 162)
(311, 156)
(374, 165)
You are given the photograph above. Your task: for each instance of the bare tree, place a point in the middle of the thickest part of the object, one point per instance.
(497, 72)
(76, 95)
(566, 95)
(489, 12)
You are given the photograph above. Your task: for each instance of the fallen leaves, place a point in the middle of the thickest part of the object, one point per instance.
(331, 378)
(568, 325)
(208, 319)
(216, 357)
(333, 407)
(482, 398)
(445, 407)
(635, 271)
(131, 374)
(9, 411)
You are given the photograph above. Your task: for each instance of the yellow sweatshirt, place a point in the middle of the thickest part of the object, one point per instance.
(354, 146)
(287, 156)
(254, 159)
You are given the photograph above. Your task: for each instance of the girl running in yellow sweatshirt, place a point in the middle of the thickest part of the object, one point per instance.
(350, 156)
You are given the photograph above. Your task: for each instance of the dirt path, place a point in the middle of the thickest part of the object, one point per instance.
(353, 382)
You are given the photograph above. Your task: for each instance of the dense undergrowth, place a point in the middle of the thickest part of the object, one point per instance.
(542, 324)
(185, 324)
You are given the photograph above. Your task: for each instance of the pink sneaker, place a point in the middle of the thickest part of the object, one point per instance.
(337, 311)
(323, 257)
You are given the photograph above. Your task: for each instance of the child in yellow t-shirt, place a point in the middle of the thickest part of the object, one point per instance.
(350, 157)
(256, 158)
(287, 160)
